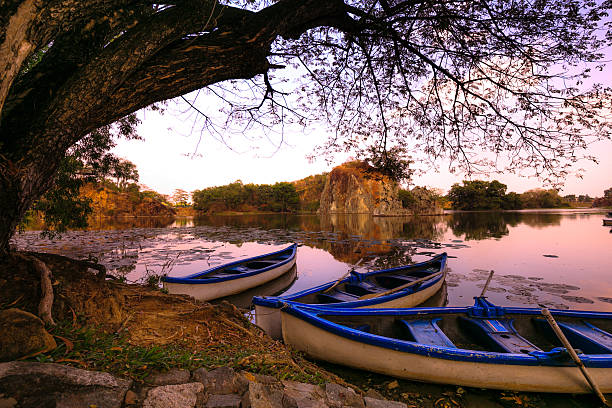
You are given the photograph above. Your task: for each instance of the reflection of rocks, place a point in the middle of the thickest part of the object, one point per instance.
(356, 188)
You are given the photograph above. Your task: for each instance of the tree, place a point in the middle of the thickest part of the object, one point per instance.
(605, 201)
(123, 173)
(285, 196)
(541, 198)
(450, 77)
(180, 198)
(63, 207)
(483, 195)
(393, 162)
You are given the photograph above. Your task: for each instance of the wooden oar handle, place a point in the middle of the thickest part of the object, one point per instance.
(486, 286)
(343, 276)
(561, 336)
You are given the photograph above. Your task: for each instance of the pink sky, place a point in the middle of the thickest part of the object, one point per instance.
(163, 163)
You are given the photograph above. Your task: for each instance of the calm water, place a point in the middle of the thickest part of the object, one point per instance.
(561, 258)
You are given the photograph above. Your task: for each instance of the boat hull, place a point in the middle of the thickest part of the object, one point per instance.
(324, 345)
(210, 291)
(607, 222)
(269, 318)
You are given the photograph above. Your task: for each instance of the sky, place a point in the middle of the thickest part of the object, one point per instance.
(176, 155)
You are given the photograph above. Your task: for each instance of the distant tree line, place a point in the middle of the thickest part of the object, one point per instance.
(605, 201)
(491, 195)
(279, 197)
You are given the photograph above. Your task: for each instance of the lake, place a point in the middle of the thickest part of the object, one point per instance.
(561, 258)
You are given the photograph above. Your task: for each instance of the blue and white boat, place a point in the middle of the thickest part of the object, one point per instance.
(234, 277)
(483, 346)
(404, 286)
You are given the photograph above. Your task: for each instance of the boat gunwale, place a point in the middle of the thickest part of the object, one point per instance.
(278, 301)
(192, 279)
(311, 314)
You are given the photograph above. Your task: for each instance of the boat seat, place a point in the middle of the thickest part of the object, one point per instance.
(364, 328)
(499, 334)
(427, 332)
(393, 280)
(259, 264)
(280, 258)
(336, 296)
(583, 335)
(363, 288)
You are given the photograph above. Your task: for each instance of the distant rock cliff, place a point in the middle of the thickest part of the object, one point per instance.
(356, 188)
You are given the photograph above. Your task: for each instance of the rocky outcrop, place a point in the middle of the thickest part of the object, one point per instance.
(356, 188)
(40, 385)
(23, 334)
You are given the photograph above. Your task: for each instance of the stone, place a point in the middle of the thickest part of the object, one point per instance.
(372, 393)
(393, 385)
(266, 396)
(224, 401)
(221, 381)
(131, 398)
(171, 377)
(23, 334)
(339, 396)
(48, 384)
(378, 403)
(7, 402)
(357, 188)
(199, 374)
(174, 396)
(304, 395)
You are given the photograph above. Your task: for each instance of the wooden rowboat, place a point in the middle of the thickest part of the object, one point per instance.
(607, 222)
(483, 346)
(404, 286)
(234, 277)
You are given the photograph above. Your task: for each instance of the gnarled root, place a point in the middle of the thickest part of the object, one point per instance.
(46, 296)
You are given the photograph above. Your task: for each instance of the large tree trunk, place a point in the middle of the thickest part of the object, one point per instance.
(20, 186)
(105, 59)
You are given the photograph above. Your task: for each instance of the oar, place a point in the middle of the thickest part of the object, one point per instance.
(407, 285)
(343, 276)
(553, 324)
(486, 286)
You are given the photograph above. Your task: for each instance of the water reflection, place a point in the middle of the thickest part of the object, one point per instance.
(511, 243)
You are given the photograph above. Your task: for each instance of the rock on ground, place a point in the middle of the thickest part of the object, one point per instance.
(224, 401)
(22, 334)
(377, 403)
(45, 384)
(174, 376)
(174, 396)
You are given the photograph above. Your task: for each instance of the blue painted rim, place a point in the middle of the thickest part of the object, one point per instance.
(312, 315)
(278, 301)
(197, 279)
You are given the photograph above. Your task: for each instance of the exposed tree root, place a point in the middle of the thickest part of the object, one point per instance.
(46, 287)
